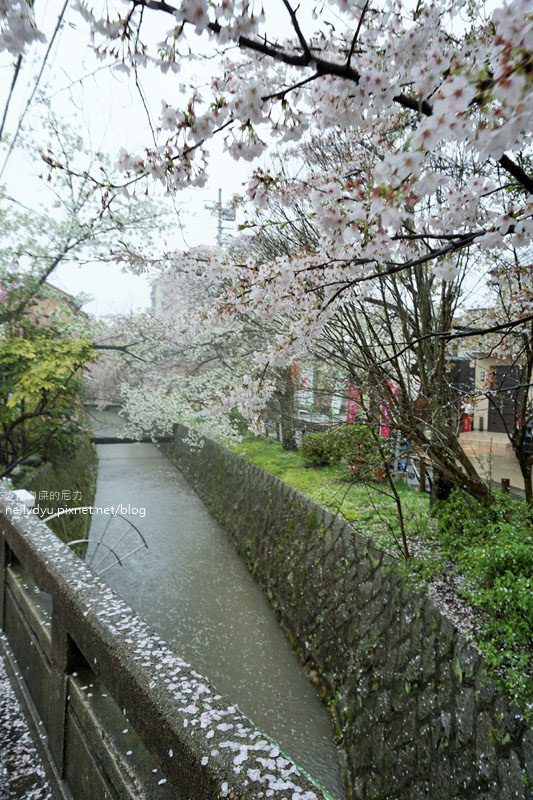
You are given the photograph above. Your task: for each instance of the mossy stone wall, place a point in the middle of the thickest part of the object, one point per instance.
(74, 473)
(409, 696)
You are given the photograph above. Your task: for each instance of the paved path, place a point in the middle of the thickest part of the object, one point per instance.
(492, 454)
(21, 771)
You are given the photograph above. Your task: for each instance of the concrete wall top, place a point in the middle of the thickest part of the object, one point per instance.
(204, 745)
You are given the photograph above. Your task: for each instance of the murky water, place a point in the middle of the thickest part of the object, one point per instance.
(193, 589)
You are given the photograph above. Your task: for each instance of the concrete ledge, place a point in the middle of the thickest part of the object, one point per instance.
(203, 746)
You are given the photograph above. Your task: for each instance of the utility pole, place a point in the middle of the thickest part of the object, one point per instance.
(223, 214)
(219, 218)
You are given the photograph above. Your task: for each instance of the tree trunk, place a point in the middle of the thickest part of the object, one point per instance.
(441, 488)
(526, 468)
(286, 408)
(422, 476)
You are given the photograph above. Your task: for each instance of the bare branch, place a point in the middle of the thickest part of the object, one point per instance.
(296, 26)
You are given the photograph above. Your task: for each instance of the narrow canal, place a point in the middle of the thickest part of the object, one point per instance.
(193, 589)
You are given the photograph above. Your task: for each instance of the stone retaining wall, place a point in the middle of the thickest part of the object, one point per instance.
(415, 713)
(74, 470)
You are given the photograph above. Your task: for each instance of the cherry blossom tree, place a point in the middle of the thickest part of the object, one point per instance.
(407, 81)
(390, 340)
(177, 361)
(70, 226)
(184, 359)
(404, 80)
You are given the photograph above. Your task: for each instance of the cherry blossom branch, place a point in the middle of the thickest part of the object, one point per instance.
(356, 34)
(10, 95)
(462, 334)
(306, 59)
(283, 92)
(517, 172)
(298, 30)
(125, 349)
(324, 67)
(453, 247)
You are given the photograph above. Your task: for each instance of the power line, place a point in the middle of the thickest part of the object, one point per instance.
(10, 95)
(32, 95)
(18, 64)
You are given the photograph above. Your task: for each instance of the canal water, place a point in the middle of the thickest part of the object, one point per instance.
(193, 589)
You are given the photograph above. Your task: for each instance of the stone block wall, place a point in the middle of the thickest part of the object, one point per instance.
(413, 708)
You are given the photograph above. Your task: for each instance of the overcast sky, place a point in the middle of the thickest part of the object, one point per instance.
(106, 109)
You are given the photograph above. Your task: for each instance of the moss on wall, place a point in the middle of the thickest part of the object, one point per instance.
(410, 697)
(68, 480)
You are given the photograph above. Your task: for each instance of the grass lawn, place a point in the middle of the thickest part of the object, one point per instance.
(370, 507)
(490, 547)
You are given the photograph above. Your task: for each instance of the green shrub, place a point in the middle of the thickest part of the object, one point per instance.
(353, 444)
(492, 546)
(357, 447)
(320, 449)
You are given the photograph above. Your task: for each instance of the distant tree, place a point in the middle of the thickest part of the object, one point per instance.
(175, 362)
(42, 355)
(74, 225)
(40, 403)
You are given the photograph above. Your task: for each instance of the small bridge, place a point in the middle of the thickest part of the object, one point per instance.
(106, 426)
(127, 440)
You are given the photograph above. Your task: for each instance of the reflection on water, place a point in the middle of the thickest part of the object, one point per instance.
(193, 589)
